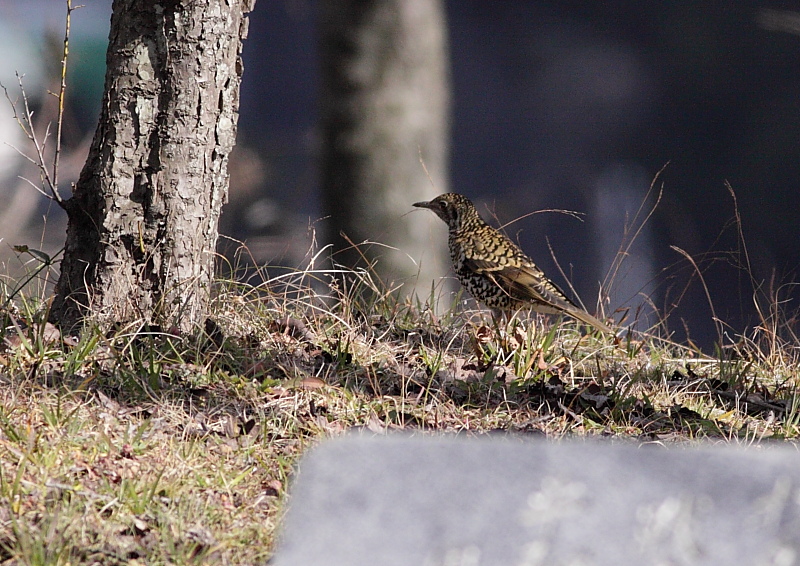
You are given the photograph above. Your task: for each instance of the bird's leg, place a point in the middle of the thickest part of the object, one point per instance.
(498, 316)
(509, 329)
(500, 320)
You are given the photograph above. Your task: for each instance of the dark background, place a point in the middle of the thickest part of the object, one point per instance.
(557, 102)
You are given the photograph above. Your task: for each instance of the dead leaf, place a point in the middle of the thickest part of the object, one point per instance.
(483, 334)
(249, 428)
(541, 364)
(520, 336)
(50, 333)
(375, 425)
(127, 452)
(598, 400)
(459, 370)
(13, 342)
(273, 488)
(107, 402)
(255, 369)
(311, 383)
(293, 327)
(141, 526)
(230, 427)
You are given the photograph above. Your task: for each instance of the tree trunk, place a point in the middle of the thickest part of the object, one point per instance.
(385, 105)
(142, 227)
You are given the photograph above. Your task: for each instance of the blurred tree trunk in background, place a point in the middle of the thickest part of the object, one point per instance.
(385, 103)
(142, 221)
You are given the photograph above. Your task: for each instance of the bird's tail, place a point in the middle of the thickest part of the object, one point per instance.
(586, 318)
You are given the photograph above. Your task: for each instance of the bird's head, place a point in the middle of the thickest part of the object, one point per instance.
(453, 208)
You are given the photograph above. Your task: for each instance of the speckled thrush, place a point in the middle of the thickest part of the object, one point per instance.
(494, 269)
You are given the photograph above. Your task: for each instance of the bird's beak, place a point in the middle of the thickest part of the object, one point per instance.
(424, 204)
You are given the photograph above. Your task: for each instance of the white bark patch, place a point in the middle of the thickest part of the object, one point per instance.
(145, 114)
(224, 127)
(142, 53)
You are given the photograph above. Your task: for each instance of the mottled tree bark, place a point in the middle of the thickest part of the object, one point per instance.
(385, 103)
(143, 216)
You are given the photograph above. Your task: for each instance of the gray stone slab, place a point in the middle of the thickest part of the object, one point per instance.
(446, 502)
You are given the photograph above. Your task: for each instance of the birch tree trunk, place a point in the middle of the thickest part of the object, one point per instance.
(142, 226)
(385, 104)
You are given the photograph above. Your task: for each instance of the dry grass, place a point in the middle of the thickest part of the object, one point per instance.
(139, 446)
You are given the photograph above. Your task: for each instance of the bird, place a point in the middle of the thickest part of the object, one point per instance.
(494, 270)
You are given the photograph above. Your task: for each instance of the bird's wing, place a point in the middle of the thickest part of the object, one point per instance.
(527, 282)
(523, 283)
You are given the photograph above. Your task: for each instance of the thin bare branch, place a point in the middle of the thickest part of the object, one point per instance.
(24, 156)
(40, 156)
(35, 186)
(13, 104)
(61, 96)
(24, 118)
